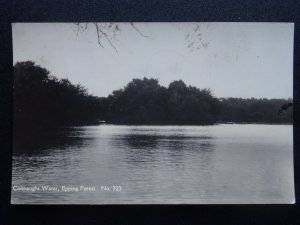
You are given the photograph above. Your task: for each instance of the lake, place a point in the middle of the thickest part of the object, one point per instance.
(110, 164)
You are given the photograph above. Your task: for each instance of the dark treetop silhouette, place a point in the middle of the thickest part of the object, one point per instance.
(41, 99)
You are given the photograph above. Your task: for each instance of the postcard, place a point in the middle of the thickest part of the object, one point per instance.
(153, 113)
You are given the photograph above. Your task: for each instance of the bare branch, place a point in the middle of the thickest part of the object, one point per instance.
(108, 31)
(98, 35)
(132, 24)
(106, 37)
(77, 24)
(85, 26)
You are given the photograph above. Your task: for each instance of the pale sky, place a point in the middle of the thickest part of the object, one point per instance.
(232, 59)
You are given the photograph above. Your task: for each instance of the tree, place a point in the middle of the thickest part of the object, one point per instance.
(144, 101)
(43, 100)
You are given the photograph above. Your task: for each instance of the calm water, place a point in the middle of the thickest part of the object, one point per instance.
(156, 164)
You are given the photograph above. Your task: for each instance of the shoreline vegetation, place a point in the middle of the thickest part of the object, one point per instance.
(41, 100)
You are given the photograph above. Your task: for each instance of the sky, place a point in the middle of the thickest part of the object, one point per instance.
(232, 59)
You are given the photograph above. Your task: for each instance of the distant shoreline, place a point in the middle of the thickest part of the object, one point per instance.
(42, 101)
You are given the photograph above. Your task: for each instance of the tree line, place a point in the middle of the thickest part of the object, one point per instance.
(41, 99)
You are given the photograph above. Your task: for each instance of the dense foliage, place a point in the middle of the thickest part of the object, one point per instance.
(41, 99)
(144, 101)
(253, 110)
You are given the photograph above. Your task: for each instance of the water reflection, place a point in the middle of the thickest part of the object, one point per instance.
(137, 149)
(172, 148)
(135, 141)
(157, 164)
(172, 142)
(32, 142)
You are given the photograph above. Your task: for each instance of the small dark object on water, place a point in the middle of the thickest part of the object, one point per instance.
(284, 107)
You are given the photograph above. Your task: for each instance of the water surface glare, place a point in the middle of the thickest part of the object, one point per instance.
(156, 165)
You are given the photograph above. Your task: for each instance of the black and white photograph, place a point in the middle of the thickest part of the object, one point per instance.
(153, 113)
